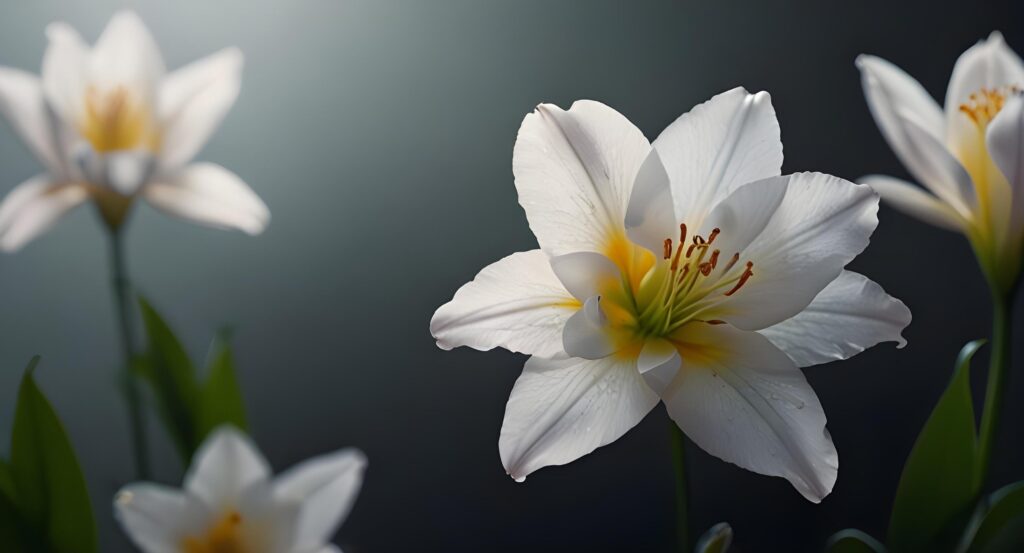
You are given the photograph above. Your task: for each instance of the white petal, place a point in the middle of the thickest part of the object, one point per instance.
(585, 274)
(650, 216)
(741, 399)
(988, 64)
(820, 225)
(123, 171)
(224, 467)
(127, 55)
(1005, 142)
(157, 518)
(33, 207)
(586, 333)
(659, 363)
(269, 523)
(743, 215)
(914, 201)
(516, 303)
(193, 101)
(912, 124)
(720, 145)
(849, 316)
(211, 195)
(561, 410)
(23, 104)
(326, 486)
(65, 71)
(574, 172)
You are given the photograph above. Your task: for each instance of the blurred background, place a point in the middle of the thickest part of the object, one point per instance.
(380, 134)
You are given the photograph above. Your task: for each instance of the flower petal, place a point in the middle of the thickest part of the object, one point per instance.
(209, 194)
(741, 399)
(720, 145)
(157, 518)
(911, 123)
(914, 201)
(820, 225)
(585, 274)
(224, 467)
(326, 486)
(33, 207)
(586, 332)
(127, 55)
(193, 101)
(23, 104)
(988, 64)
(659, 363)
(1005, 142)
(650, 215)
(562, 409)
(849, 316)
(574, 172)
(516, 303)
(65, 72)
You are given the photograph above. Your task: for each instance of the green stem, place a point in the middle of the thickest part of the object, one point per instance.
(682, 489)
(129, 384)
(1002, 308)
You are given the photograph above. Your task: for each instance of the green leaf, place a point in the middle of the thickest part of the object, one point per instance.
(220, 399)
(853, 541)
(10, 540)
(50, 492)
(937, 487)
(173, 378)
(1001, 528)
(6, 480)
(717, 539)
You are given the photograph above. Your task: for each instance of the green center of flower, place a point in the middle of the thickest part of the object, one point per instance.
(690, 279)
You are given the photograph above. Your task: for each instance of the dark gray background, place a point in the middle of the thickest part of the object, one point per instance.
(380, 134)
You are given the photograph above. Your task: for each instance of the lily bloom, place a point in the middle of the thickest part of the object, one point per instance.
(230, 503)
(109, 124)
(968, 155)
(687, 272)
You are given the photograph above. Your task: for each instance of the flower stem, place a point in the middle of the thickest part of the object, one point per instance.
(129, 385)
(1002, 312)
(682, 488)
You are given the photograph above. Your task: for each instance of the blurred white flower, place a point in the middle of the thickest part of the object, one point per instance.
(969, 156)
(664, 275)
(230, 503)
(109, 124)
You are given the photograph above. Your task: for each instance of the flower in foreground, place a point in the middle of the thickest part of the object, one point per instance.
(688, 271)
(969, 155)
(230, 504)
(109, 124)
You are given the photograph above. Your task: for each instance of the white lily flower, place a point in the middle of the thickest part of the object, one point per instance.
(230, 503)
(969, 156)
(110, 124)
(688, 272)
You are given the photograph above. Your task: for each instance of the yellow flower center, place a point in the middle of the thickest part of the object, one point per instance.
(223, 537)
(983, 105)
(690, 279)
(116, 119)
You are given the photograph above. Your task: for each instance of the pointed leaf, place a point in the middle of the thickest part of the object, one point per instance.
(1001, 528)
(717, 539)
(221, 399)
(937, 489)
(50, 492)
(6, 480)
(853, 541)
(9, 538)
(173, 378)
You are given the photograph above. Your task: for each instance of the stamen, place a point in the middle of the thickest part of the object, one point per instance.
(735, 258)
(682, 233)
(690, 250)
(743, 278)
(668, 248)
(714, 233)
(714, 257)
(705, 268)
(698, 239)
